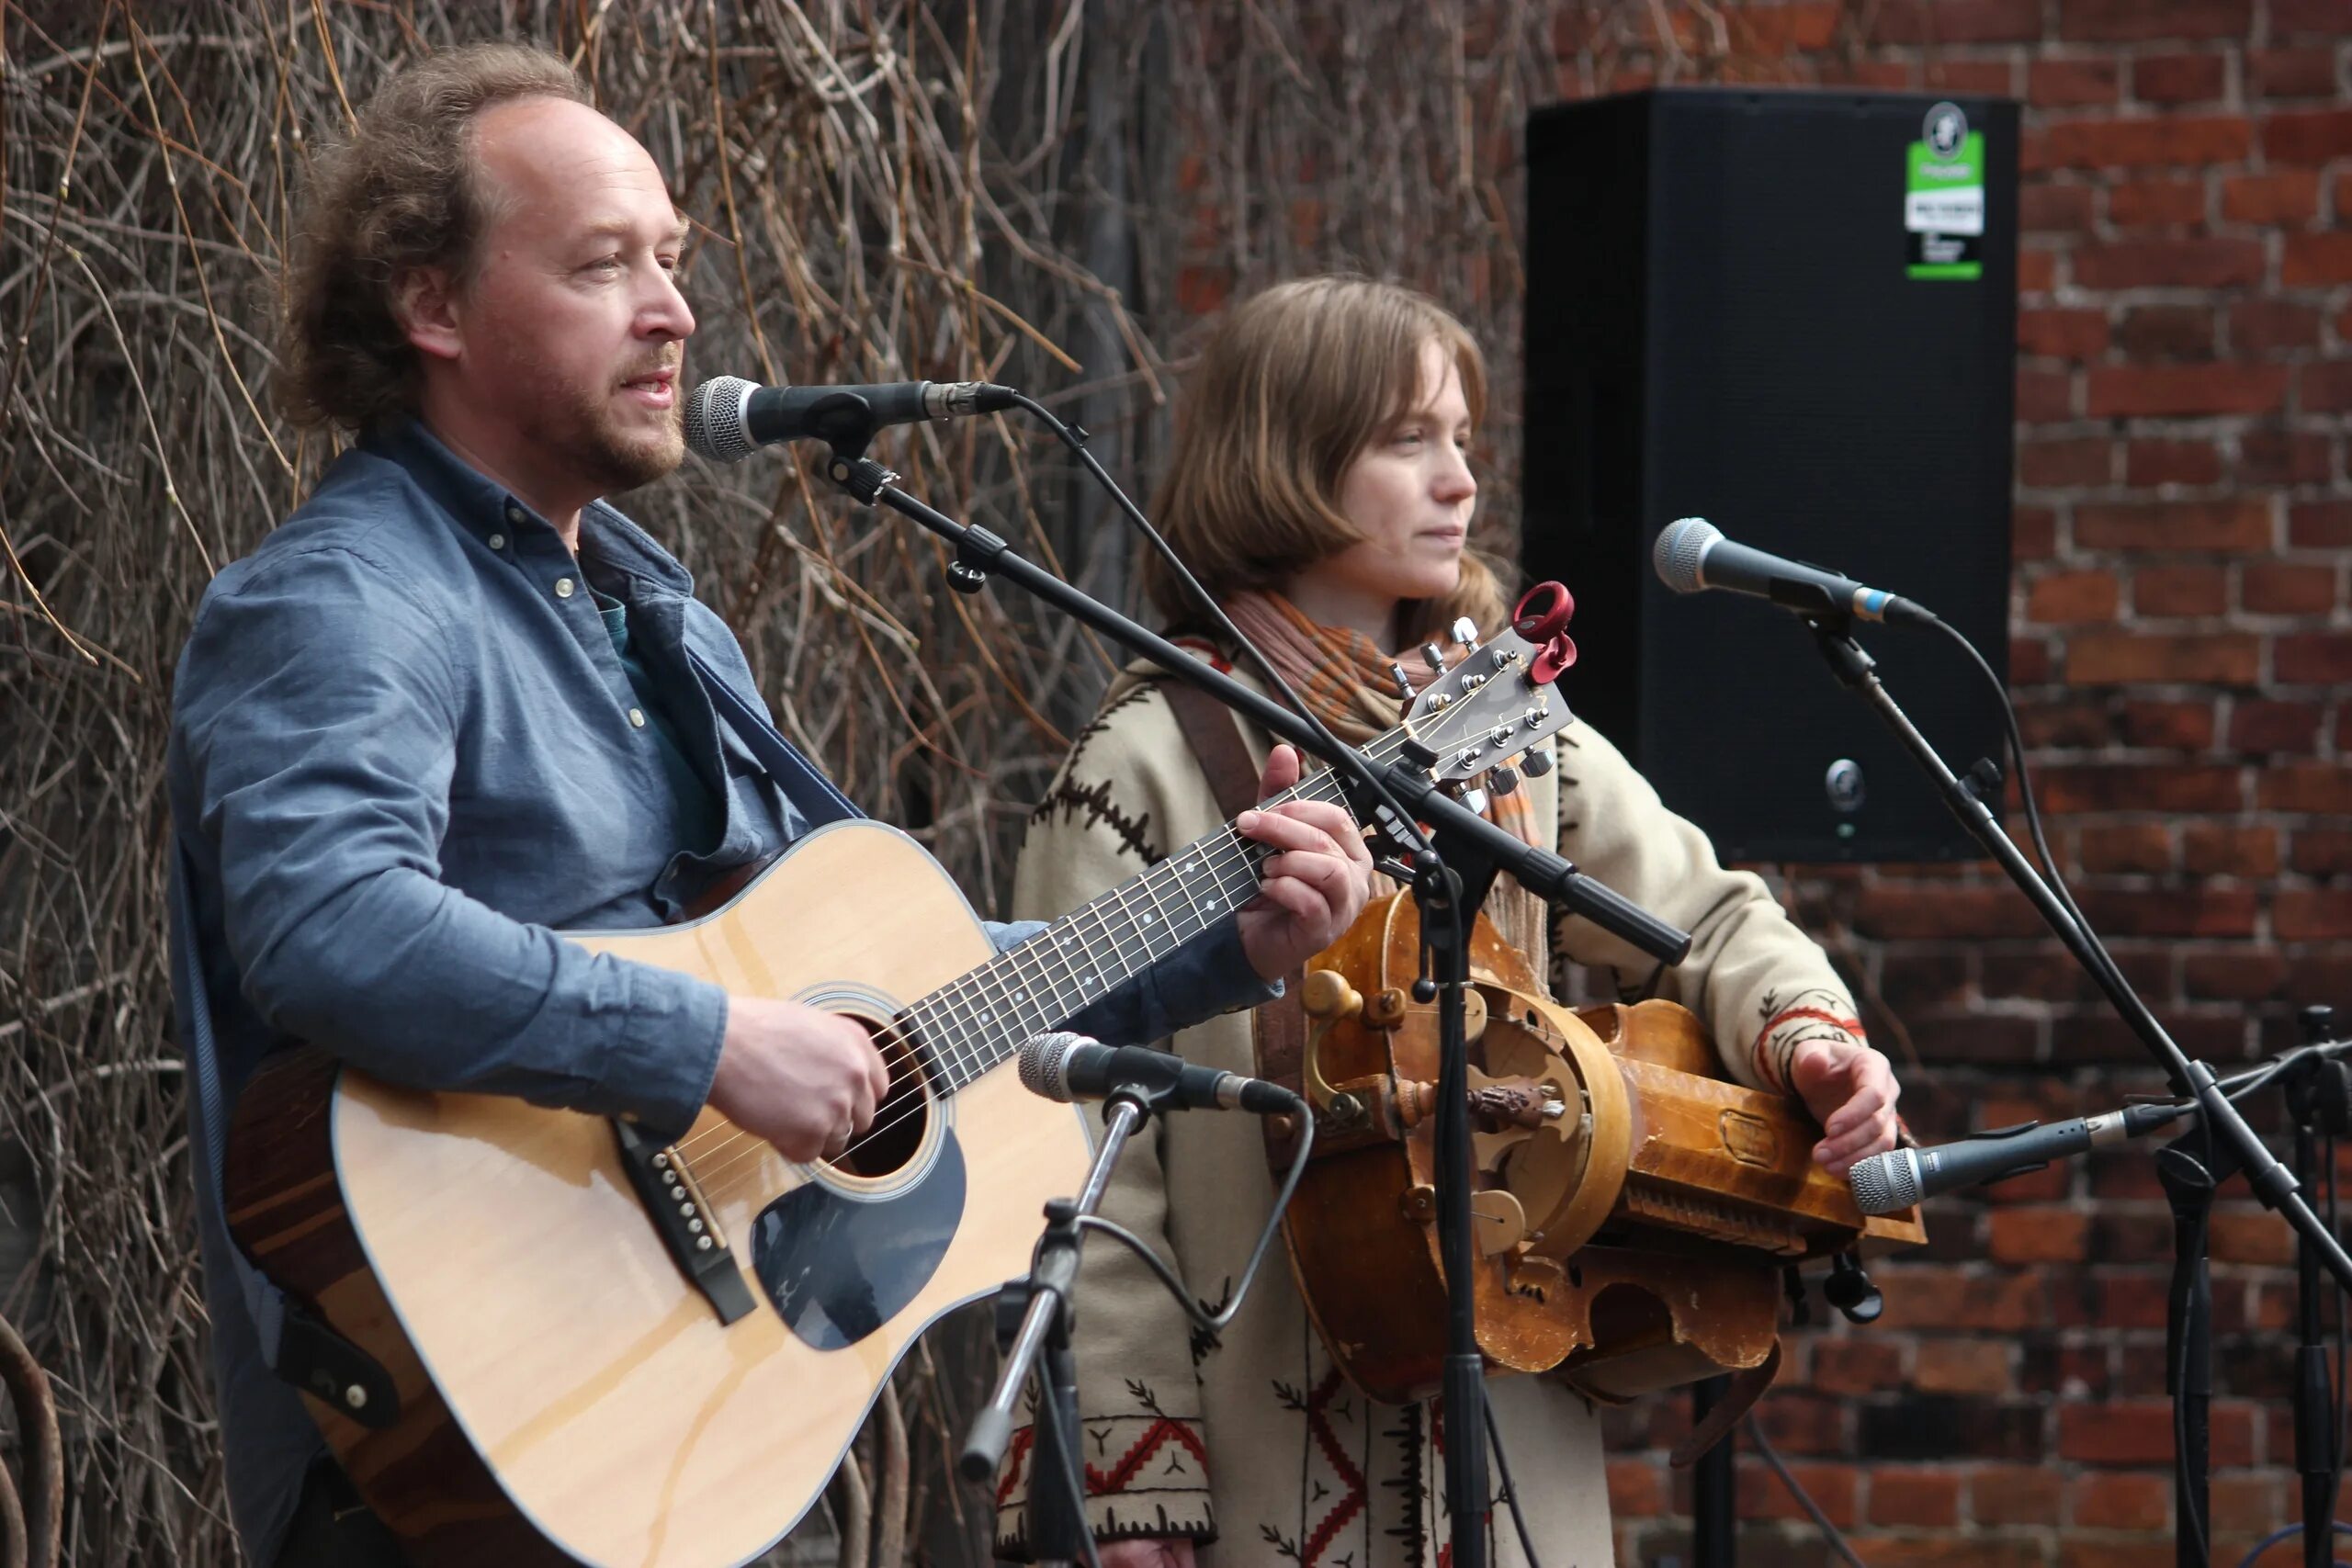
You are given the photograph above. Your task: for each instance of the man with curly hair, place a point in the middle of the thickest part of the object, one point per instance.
(449, 707)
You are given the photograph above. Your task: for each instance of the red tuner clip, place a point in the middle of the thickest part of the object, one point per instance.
(1542, 618)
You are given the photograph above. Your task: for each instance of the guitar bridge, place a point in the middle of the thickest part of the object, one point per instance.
(684, 1222)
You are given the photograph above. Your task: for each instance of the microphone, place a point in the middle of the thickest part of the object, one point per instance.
(728, 416)
(1069, 1067)
(1887, 1183)
(1692, 555)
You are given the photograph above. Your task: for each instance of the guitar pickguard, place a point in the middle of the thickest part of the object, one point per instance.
(838, 1266)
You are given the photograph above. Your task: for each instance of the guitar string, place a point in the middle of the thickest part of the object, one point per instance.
(1216, 853)
(965, 1060)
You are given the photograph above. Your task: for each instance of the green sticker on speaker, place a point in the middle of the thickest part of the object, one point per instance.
(1943, 197)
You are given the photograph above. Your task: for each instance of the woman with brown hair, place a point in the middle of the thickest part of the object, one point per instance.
(1321, 491)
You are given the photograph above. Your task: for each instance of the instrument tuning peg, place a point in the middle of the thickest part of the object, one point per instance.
(1465, 631)
(1535, 764)
(1502, 778)
(1433, 656)
(1404, 682)
(1849, 1290)
(1473, 799)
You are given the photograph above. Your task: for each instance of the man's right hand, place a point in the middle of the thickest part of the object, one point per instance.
(805, 1079)
(1147, 1551)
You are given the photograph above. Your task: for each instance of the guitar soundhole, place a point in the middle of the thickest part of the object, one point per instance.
(901, 1122)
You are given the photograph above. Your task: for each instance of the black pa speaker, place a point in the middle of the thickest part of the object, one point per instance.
(1793, 314)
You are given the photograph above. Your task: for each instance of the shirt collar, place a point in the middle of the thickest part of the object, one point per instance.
(484, 507)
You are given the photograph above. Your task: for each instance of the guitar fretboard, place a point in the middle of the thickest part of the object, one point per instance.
(974, 1022)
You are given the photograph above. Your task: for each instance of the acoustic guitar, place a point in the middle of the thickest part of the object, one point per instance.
(597, 1346)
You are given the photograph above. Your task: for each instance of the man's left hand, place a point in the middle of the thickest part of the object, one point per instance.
(1312, 888)
(1850, 1089)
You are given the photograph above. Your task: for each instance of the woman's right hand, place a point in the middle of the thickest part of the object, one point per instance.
(1147, 1551)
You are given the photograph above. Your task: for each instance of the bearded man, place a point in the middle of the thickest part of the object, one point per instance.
(450, 706)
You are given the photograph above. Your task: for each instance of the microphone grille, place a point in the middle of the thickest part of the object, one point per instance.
(1043, 1061)
(1680, 547)
(1886, 1184)
(715, 425)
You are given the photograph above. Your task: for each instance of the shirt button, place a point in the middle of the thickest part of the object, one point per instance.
(563, 587)
(637, 717)
(514, 515)
(498, 541)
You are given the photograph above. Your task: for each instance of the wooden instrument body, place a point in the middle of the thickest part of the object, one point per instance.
(1635, 1248)
(563, 1384)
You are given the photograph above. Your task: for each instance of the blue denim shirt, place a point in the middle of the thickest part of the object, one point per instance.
(403, 755)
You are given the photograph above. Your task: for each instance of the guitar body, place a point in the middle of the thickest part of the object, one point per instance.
(566, 1391)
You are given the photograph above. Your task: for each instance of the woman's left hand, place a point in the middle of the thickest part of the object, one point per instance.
(1850, 1089)
(1312, 889)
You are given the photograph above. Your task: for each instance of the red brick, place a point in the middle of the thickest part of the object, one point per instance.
(2050, 208)
(2169, 264)
(2291, 73)
(2287, 588)
(2187, 140)
(2321, 852)
(1637, 1489)
(2323, 788)
(2116, 1433)
(2066, 725)
(2178, 590)
(1898, 911)
(2029, 660)
(2326, 387)
(2316, 259)
(2250, 1234)
(2149, 203)
(2068, 464)
(2288, 196)
(2235, 525)
(2014, 1494)
(1832, 1486)
(2105, 658)
(2266, 326)
(2037, 272)
(2072, 597)
(2312, 914)
(2268, 725)
(2040, 1235)
(2072, 84)
(2284, 457)
(1905, 1496)
(2149, 463)
(2045, 397)
(1988, 76)
(2220, 849)
(2166, 331)
(2169, 727)
(2136, 21)
(1856, 1365)
(2251, 1504)
(2092, 787)
(2123, 847)
(2178, 78)
(2126, 391)
(2033, 533)
(2320, 524)
(2307, 136)
(1956, 21)
(2233, 977)
(2119, 1500)
(2062, 334)
(1932, 1296)
(2206, 910)
(2328, 18)
(2312, 658)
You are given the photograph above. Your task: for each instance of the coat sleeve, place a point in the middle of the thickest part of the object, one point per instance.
(1761, 987)
(1116, 807)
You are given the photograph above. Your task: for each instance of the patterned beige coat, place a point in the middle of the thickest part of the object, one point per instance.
(1258, 1444)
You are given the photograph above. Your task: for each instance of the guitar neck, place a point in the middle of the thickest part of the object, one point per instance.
(976, 1022)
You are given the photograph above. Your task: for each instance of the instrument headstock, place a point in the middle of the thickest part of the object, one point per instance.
(1481, 719)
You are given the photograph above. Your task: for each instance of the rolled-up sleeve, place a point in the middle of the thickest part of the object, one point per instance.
(318, 713)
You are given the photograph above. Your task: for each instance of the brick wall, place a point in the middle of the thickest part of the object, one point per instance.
(2181, 661)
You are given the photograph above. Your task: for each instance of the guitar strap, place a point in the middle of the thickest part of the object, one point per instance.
(1279, 1026)
(294, 1344)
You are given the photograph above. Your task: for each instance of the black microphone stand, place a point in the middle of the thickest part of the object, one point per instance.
(2319, 1100)
(2190, 1167)
(1444, 880)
